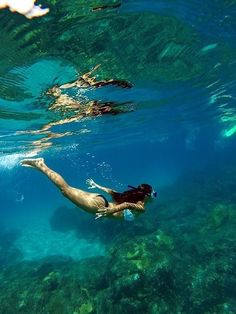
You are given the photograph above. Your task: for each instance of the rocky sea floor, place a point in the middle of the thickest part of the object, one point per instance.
(180, 257)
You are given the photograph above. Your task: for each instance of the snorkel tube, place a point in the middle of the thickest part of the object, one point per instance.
(131, 187)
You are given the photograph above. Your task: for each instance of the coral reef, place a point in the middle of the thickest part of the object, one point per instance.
(179, 258)
(50, 286)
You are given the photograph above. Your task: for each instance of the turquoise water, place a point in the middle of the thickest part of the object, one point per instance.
(177, 133)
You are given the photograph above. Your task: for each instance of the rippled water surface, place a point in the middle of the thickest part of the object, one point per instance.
(179, 56)
(171, 69)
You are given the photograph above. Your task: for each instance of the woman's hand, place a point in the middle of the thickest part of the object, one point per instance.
(91, 184)
(102, 212)
(98, 216)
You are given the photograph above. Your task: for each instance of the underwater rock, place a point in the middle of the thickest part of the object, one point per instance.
(135, 266)
(85, 308)
(65, 219)
(176, 264)
(221, 214)
(68, 288)
(50, 282)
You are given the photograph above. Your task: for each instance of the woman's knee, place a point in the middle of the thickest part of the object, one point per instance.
(65, 190)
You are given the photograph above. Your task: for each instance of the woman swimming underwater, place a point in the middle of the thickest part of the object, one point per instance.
(126, 205)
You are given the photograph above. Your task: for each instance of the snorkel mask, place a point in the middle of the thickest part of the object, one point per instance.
(152, 195)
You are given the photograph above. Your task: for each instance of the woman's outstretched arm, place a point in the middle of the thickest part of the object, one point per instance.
(117, 208)
(93, 185)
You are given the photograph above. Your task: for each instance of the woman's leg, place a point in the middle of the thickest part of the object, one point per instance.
(87, 201)
(39, 164)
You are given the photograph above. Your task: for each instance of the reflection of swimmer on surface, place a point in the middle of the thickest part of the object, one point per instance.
(93, 109)
(86, 81)
(126, 205)
(64, 102)
(73, 110)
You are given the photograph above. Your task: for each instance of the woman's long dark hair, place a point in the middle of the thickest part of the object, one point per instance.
(134, 195)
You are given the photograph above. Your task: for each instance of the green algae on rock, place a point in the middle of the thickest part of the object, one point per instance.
(184, 264)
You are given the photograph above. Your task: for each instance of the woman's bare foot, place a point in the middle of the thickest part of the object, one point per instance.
(34, 162)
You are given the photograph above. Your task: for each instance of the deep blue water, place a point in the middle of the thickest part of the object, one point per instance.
(177, 128)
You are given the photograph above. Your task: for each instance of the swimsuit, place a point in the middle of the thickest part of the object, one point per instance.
(128, 215)
(105, 200)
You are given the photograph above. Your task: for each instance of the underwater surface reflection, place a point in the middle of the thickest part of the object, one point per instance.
(124, 92)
